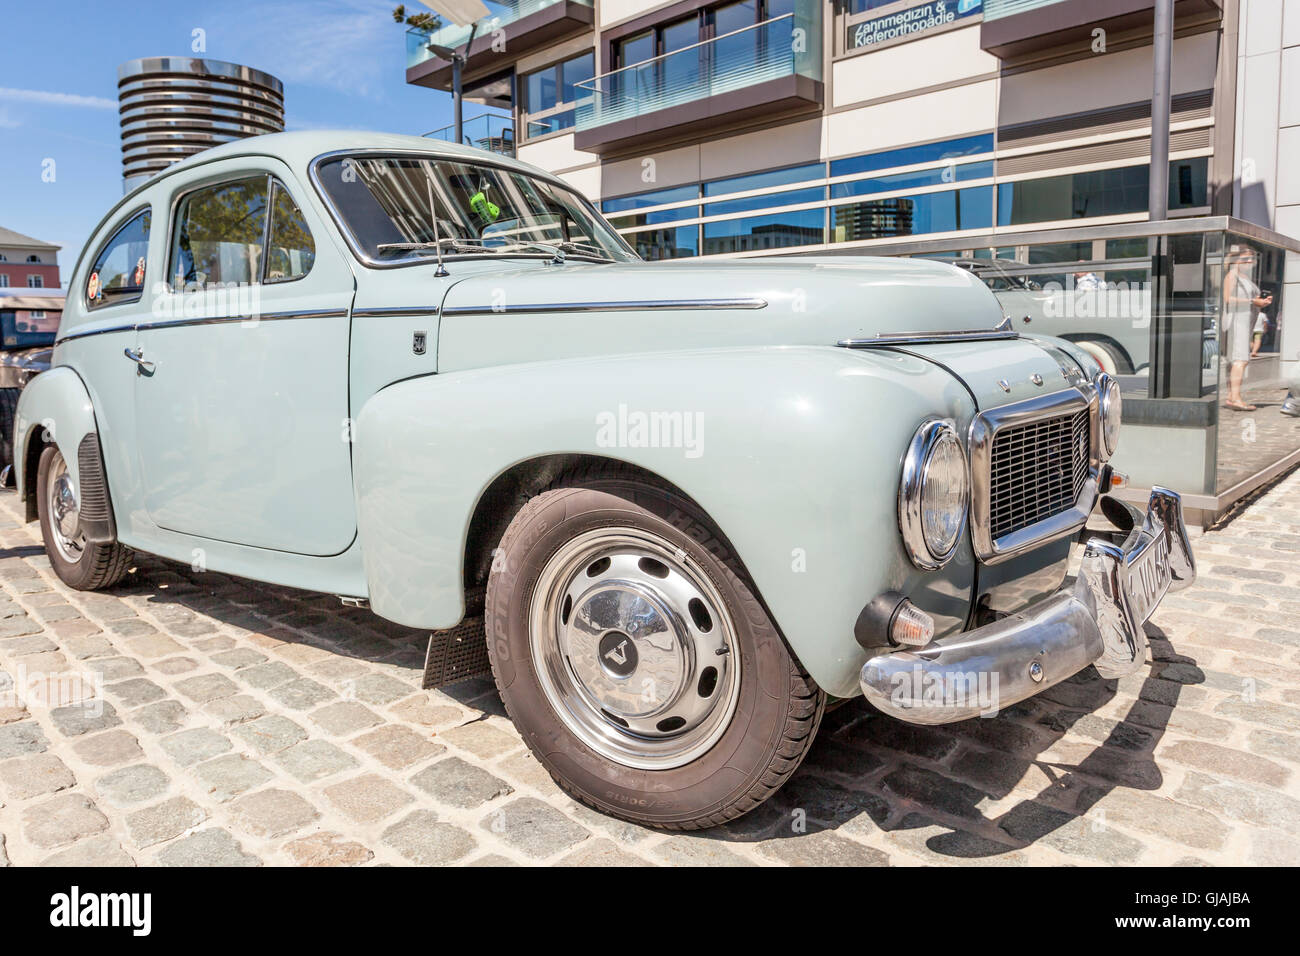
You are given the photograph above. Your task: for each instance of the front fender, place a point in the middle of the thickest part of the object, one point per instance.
(795, 453)
(54, 406)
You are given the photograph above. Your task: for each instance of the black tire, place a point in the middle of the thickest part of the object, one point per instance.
(8, 415)
(99, 564)
(778, 706)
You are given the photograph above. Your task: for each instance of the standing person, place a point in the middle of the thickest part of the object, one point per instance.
(1241, 302)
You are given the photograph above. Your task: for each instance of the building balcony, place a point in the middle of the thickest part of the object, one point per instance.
(1012, 28)
(751, 76)
(488, 131)
(524, 25)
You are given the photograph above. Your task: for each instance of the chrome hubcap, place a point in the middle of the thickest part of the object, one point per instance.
(634, 647)
(65, 516)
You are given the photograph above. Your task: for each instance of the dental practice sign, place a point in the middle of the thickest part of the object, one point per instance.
(910, 22)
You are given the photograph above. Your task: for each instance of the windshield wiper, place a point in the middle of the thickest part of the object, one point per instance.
(556, 250)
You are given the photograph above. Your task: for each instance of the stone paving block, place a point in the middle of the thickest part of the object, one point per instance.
(235, 710)
(136, 692)
(302, 694)
(62, 819)
(192, 746)
(228, 776)
(101, 851)
(397, 747)
(1254, 805)
(327, 849)
(681, 850)
(176, 665)
(75, 720)
(379, 689)
(164, 821)
(822, 848)
(368, 798)
(271, 734)
(205, 687)
(32, 644)
(481, 739)
(34, 775)
(1227, 761)
(131, 785)
(423, 840)
(313, 760)
(273, 813)
(162, 717)
(153, 646)
(239, 658)
(602, 853)
(421, 710)
(25, 737)
(206, 848)
(345, 718)
(533, 827)
(460, 784)
(109, 749)
(114, 668)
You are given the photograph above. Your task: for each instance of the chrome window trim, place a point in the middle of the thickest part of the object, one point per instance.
(651, 305)
(361, 256)
(909, 494)
(984, 428)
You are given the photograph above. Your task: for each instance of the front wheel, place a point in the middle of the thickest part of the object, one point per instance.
(81, 564)
(636, 660)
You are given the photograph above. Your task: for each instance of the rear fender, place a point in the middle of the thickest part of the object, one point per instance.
(54, 407)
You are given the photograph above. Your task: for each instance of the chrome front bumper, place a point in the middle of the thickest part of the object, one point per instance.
(1098, 622)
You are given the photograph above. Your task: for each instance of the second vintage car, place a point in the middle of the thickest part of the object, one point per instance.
(703, 498)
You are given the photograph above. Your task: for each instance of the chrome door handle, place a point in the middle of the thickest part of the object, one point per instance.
(137, 356)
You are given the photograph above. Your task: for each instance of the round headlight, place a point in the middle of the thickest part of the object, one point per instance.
(1110, 407)
(934, 495)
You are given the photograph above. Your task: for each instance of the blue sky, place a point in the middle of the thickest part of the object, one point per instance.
(342, 63)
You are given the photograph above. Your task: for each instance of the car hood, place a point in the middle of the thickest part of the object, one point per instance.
(538, 312)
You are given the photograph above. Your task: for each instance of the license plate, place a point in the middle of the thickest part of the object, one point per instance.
(1149, 577)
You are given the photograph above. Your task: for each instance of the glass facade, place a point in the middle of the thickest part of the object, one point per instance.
(551, 95)
(1102, 192)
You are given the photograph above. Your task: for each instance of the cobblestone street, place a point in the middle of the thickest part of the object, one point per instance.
(248, 724)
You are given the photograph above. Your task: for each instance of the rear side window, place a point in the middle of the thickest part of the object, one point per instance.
(237, 233)
(117, 274)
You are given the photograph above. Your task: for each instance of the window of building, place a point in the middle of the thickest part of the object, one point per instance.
(552, 95)
(1102, 192)
(34, 258)
(3, 257)
(622, 213)
(914, 155)
(36, 314)
(803, 227)
(117, 276)
(913, 180)
(950, 211)
(678, 243)
(36, 282)
(4, 280)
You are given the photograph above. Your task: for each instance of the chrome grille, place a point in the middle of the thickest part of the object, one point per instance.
(1037, 470)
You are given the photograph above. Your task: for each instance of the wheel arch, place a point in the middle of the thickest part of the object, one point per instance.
(54, 407)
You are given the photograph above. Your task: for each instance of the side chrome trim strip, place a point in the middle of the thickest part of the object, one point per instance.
(654, 305)
(417, 310)
(209, 320)
(892, 339)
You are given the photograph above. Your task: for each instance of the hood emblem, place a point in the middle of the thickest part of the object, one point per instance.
(1036, 379)
(1005, 385)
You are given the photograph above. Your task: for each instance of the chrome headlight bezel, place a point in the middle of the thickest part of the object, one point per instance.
(933, 434)
(1109, 412)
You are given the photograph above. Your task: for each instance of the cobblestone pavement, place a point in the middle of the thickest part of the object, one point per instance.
(247, 724)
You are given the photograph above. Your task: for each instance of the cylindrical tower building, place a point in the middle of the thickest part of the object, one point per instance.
(174, 106)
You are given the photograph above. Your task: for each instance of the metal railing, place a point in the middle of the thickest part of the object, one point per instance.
(489, 131)
(783, 46)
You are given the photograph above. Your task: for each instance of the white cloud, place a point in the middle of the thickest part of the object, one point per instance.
(53, 98)
(343, 45)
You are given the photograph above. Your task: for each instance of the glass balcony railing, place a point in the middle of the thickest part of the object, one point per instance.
(486, 131)
(501, 13)
(784, 46)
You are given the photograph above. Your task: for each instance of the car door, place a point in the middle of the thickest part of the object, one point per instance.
(241, 389)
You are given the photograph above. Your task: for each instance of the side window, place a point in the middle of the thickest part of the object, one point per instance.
(292, 250)
(117, 275)
(221, 236)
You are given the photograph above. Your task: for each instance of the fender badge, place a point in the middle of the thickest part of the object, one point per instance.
(418, 342)
(1036, 379)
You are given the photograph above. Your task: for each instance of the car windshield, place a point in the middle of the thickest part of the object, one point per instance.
(405, 207)
(30, 331)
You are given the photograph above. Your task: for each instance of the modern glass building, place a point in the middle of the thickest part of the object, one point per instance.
(1010, 136)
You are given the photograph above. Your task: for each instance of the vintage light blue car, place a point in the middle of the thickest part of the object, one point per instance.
(703, 498)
